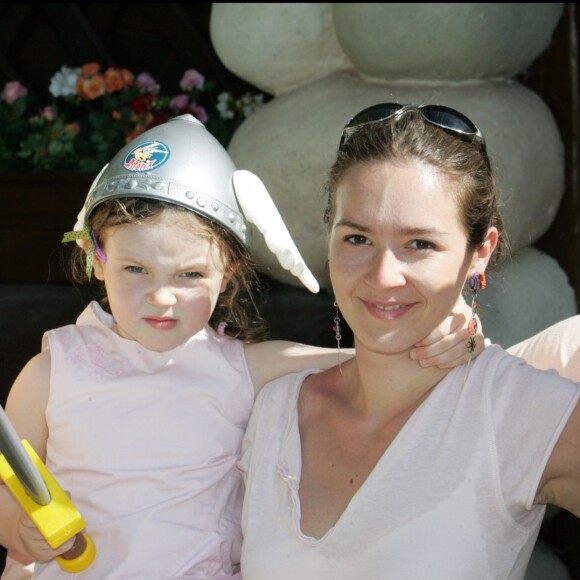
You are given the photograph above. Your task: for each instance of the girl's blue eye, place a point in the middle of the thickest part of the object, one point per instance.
(135, 269)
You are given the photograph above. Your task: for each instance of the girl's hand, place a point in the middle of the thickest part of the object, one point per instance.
(24, 559)
(34, 543)
(446, 346)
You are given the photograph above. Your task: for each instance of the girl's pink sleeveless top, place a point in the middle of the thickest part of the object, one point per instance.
(146, 443)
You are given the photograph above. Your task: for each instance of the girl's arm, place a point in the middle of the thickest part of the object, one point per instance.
(556, 347)
(445, 347)
(25, 407)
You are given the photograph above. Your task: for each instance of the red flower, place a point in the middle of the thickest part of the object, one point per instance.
(72, 128)
(135, 133)
(142, 104)
(90, 69)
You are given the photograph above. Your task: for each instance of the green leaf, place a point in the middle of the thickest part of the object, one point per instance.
(55, 147)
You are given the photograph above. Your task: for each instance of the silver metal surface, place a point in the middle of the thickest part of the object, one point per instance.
(17, 457)
(178, 162)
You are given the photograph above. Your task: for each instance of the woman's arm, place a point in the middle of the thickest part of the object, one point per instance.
(560, 484)
(558, 347)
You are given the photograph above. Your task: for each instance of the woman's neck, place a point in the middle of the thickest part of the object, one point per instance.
(387, 384)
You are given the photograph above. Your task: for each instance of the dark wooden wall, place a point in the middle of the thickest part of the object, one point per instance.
(164, 39)
(555, 76)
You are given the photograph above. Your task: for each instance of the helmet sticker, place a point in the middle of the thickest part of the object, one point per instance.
(146, 156)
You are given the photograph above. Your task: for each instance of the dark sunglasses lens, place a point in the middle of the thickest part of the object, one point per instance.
(449, 119)
(374, 113)
(455, 121)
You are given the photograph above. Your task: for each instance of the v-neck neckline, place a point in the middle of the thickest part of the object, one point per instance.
(290, 464)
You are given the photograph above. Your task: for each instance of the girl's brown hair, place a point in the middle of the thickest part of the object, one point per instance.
(236, 306)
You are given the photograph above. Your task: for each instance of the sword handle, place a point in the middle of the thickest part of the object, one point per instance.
(79, 556)
(57, 521)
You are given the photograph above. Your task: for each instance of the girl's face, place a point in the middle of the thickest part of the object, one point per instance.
(162, 280)
(398, 252)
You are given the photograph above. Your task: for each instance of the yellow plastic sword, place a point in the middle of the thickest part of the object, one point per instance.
(43, 499)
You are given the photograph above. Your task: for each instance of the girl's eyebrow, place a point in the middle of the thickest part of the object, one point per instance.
(193, 264)
(127, 258)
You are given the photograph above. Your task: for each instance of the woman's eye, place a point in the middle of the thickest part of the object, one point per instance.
(135, 269)
(357, 240)
(421, 245)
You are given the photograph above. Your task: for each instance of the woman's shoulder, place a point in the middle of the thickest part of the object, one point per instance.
(286, 387)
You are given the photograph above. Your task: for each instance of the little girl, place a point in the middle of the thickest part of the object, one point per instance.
(139, 408)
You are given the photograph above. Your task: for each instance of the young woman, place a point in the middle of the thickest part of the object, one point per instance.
(381, 469)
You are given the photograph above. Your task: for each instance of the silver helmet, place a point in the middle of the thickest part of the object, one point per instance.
(178, 162)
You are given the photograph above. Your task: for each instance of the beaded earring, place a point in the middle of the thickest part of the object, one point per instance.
(337, 334)
(474, 283)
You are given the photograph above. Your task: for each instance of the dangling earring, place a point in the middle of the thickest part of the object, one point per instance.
(337, 334)
(475, 282)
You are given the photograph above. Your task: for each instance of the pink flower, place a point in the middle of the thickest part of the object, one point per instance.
(13, 90)
(191, 80)
(199, 112)
(147, 84)
(47, 113)
(179, 103)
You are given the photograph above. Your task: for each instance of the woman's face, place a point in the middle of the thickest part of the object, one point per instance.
(398, 255)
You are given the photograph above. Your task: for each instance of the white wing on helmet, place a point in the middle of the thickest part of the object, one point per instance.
(260, 210)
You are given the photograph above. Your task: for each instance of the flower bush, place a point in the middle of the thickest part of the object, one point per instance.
(93, 113)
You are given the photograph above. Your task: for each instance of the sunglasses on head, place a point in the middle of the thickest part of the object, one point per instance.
(446, 118)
